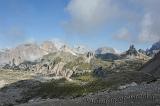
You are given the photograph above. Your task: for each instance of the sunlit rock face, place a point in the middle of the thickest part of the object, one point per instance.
(24, 52)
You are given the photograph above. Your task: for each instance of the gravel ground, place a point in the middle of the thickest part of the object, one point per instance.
(141, 95)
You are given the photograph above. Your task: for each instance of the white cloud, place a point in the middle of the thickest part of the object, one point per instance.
(142, 15)
(150, 23)
(149, 31)
(88, 15)
(123, 34)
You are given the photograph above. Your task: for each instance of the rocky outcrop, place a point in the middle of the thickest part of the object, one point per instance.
(60, 71)
(55, 70)
(88, 57)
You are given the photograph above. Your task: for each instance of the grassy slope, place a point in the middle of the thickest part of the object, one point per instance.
(87, 84)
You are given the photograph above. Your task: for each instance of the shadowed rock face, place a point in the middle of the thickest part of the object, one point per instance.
(153, 66)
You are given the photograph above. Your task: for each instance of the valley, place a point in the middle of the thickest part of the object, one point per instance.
(68, 74)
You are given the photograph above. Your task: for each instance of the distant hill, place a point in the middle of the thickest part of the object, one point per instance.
(104, 50)
(108, 56)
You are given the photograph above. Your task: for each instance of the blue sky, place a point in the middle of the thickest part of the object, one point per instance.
(97, 23)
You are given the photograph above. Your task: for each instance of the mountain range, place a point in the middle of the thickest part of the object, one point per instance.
(33, 51)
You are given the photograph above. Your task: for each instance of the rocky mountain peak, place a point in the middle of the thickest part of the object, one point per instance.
(132, 51)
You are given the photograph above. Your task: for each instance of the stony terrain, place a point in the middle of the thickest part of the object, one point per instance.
(31, 90)
(141, 95)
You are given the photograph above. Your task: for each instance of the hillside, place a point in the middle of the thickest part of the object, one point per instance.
(153, 66)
